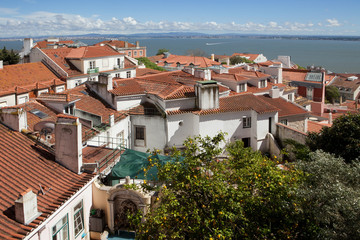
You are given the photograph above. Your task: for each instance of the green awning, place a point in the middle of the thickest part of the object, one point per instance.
(132, 163)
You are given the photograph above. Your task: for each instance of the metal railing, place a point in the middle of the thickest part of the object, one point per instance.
(108, 142)
(109, 161)
(93, 70)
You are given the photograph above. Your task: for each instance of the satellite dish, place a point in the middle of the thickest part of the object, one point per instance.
(45, 127)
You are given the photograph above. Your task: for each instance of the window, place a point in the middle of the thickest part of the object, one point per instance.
(119, 62)
(38, 113)
(92, 64)
(128, 74)
(242, 87)
(246, 122)
(140, 133)
(309, 93)
(140, 53)
(78, 218)
(284, 121)
(290, 97)
(246, 142)
(262, 83)
(61, 230)
(135, 53)
(129, 53)
(117, 75)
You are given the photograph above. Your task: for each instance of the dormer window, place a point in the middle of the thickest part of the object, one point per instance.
(262, 83)
(242, 87)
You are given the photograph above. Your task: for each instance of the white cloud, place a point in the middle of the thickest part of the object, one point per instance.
(333, 22)
(48, 23)
(8, 11)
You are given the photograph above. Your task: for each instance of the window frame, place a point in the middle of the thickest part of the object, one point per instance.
(246, 122)
(81, 211)
(92, 64)
(128, 74)
(61, 228)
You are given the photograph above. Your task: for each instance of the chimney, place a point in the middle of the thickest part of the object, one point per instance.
(330, 118)
(26, 209)
(203, 74)
(126, 44)
(27, 45)
(14, 118)
(274, 92)
(213, 57)
(106, 79)
(137, 44)
(1, 64)
(207, 95)
(68, 142)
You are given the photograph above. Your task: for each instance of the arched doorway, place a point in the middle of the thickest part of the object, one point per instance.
(122, 209)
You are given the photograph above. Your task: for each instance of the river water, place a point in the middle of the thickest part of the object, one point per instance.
(334, 55)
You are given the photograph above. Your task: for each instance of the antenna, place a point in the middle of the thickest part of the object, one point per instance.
(45, 128)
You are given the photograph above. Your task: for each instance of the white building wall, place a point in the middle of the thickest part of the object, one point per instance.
(188, 103)
(260, 58)
(36, 55)
(76, 81)
(262, 128)
(60, 88)
(22, 98)
(9, 100)
(180, 127)
(155, 132)
(124, 103)
(44, 231)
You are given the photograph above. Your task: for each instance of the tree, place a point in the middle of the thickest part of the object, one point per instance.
(332, 94)
(149, 64)
(237, 59)
(342, 138)
(9, 57)
(196, 53)
(162, 51)
(332, 196)
(245, 196)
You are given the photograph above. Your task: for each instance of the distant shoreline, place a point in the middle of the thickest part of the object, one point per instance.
(192, 36)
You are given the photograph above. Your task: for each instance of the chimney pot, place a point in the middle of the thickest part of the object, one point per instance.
(26, 209)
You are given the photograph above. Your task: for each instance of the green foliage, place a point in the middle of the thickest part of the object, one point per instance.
(342, 138)
(149, 64)
(237, 59)
(245, 196)
(196, 53)
(332, 196)
(295, 150)
(332, 94)
(162, 51)
(9, 57)
(300, 67)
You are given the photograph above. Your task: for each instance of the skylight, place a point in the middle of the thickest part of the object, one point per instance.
(39, 113)
(84, 92)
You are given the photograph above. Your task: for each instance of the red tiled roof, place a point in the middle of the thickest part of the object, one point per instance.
(27, 77)
(166, 85)
(92, 52)
(341, 82)
(26, 165)
(115, 43)
(316, 126)
(146, 71)
(59, 57)
(285, 108)
(234, 103)
(294, 75)
(201, 62)
(45, 43)
(89, 102)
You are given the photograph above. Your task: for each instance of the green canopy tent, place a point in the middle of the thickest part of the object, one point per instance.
(132, 163)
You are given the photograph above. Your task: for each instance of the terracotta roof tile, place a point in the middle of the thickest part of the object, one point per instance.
(27, 165)
(316, 126)
(145, 71)
(26, 77)
(92, 52)
(201, 62)
(234, 103)
(285, 108)
(46, 44)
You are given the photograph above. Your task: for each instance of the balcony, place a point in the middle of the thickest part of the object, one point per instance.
(93, 70)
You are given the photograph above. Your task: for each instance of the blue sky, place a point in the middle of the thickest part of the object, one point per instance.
(65, 17)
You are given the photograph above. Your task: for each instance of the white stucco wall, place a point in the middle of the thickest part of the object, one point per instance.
(180, 127)
(155, 132)
(75, 81)
(123, 103)
(44, 231)
(184, 103)
(22, 98)
(262, 128)
(103, 63)
(8, 100)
